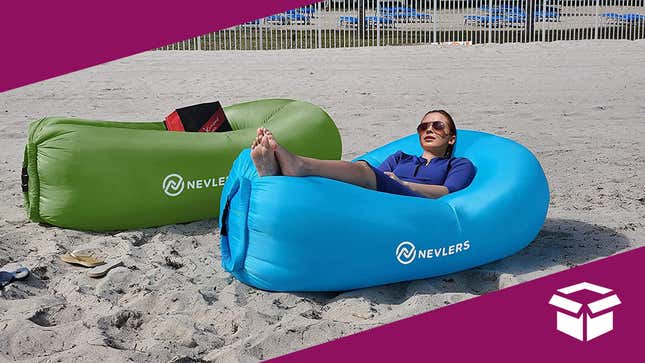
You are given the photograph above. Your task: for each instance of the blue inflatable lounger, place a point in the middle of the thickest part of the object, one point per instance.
(315, 234)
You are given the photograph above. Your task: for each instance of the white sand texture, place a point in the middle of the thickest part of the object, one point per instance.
(579, 106)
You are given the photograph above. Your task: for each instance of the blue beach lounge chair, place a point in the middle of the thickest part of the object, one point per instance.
(484, 20)
(298, 18)
(277, 19)
(633, 18)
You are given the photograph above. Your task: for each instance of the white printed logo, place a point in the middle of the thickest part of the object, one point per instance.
(173, 185)
(405, 252)
(585, 320)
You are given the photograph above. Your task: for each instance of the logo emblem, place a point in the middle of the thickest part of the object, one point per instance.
(173, 185)
(405, 252)
(585, 319)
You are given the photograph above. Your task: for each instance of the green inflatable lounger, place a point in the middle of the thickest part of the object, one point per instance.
(102, 175)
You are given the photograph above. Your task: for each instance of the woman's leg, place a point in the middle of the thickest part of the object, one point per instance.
(294, 165)
(290, 164)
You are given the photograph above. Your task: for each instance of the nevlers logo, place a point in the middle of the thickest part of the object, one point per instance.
(406, 251)
(174, 184)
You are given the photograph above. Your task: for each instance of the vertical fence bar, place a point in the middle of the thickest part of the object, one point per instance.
(575, 33)
(259, 34)
(624, 24)
(450, 12)
(612, 29)
(415, 20)
(490, 23)
(318, 26)
(628, 23)
(633, 23)
(503, 28)
(569, 28)
(325, 13)
(359, 9)
(595, 20)
(556, 33)
(434, 21)
(269, 33)
(333, 42)
(349, 35)
(459, 34)
(542, 31)
(474, 33)
(475, 30)
(378, 23)
(273, 34)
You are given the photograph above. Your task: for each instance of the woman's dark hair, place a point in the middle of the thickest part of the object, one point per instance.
(451, 126)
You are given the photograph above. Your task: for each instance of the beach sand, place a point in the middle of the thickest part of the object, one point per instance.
(577, 105)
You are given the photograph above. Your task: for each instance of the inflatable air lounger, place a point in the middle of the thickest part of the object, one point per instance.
(316, 234)
(101, 175)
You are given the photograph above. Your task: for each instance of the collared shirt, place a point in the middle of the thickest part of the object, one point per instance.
(453, 173)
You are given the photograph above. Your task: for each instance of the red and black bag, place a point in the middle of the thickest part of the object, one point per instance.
(205, 117)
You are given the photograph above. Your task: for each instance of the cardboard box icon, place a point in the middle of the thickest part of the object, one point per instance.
(585, 319)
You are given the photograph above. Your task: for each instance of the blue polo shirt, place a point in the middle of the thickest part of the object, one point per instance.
(453, 173)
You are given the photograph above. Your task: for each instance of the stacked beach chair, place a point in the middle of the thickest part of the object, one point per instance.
(370, 21)
(301, 15)
(387, 17)
(615, 18)
(506, 15)
(405, 14)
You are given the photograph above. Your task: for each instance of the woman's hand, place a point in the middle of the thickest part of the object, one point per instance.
(393, 176)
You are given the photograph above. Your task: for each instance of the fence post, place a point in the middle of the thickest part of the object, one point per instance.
(434, 21)
(490, 21)
(260, 21)
(530, 20)
(378, 23)
(361, 22)
(595, 28)
(199, 42)
(318, 25)
(543, 20)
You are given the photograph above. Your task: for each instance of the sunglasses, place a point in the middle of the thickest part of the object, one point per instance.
(436, 126)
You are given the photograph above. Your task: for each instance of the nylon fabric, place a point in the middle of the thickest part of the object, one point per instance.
(318, 234)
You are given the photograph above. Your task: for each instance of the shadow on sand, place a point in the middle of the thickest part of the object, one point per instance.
(560, 244)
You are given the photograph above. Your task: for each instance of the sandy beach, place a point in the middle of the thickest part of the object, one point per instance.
(579, 106)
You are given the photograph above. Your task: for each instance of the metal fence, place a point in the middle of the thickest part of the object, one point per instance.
(355, 23)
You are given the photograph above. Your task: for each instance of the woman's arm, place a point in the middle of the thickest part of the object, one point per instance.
(427, 190)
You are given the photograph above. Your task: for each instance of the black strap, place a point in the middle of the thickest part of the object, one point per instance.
(24, 178)
(224, 230)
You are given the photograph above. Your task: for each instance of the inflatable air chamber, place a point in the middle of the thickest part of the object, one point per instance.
(101, 175)
(316, 234)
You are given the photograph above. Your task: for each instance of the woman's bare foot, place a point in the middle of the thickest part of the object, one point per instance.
(258, 137)
(290, 164)
(264, 158)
